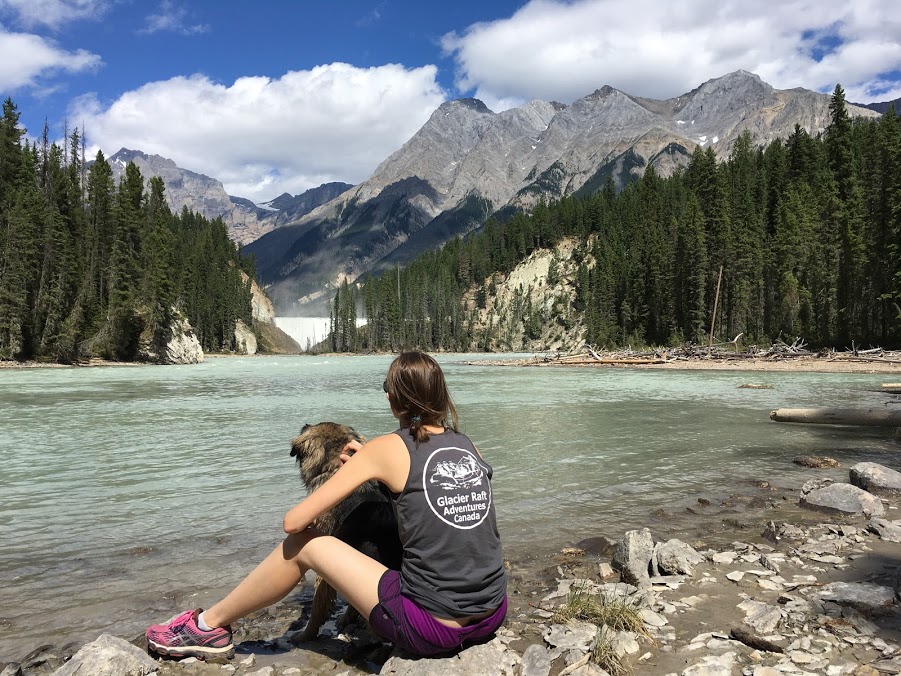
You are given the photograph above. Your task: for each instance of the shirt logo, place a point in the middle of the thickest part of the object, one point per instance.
(456, 487)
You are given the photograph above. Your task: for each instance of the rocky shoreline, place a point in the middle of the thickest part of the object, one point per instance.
(803, 364)
(813, 589)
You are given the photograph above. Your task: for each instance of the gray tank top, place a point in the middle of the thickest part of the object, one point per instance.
(453, 565)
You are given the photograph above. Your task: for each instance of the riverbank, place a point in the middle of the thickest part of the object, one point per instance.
(806, 364)
(812, 594)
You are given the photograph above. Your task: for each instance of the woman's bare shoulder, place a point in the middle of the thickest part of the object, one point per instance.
(385, 442)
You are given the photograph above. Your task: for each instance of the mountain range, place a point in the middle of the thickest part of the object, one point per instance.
(468, 163)
(246, 221)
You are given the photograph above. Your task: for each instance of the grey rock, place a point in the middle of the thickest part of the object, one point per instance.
(614, 589)
(632, 557)
(713, 665)
(536, 661)
(183, 347)
(675, 557)
(623, 642)
(886, 530)
(486, 658)
(770, 562)
(590, 669)
(761, 617)
(843, 499)
(265, 671)
(44, 659)
(814, 484)
(12, 669)
(876, 478)
(108, 656)
(651, 618)
(816, 461)
(867, 597)
(572, 636)
(889, 666)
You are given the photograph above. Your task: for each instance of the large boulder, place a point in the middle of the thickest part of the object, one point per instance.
(843, 499)
(675, 557)
(867, 597)
(876, 478)
(108, 656)
(183, 347)
(536, 661)
(632, 557)
(486, 658)
(245, 340)
(886, 530)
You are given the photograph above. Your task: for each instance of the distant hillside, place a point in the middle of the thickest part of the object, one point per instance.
(882, 106)
(201, 194)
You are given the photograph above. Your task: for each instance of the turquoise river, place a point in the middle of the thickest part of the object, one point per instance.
(129, 493)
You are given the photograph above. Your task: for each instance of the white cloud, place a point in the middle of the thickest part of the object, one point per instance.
(26, 59)
(172, 19)
(52, 13)
(562, 50)
(263, 136)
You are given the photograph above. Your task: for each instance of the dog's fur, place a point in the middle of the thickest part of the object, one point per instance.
(364, 520)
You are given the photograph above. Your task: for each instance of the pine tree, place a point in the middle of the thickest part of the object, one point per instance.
(846, 217)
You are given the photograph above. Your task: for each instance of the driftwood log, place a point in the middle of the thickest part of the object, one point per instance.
(873, 417)
(754, 641)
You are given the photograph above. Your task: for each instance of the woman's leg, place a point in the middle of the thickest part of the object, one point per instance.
(353, 574)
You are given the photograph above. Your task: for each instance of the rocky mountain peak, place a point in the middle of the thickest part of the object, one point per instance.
(603, 92)
(467, 162)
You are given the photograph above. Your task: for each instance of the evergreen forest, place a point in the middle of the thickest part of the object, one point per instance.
(89, 268)
(806, 230)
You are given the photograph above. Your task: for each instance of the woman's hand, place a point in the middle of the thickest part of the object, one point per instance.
(384, 459)
(349, 449)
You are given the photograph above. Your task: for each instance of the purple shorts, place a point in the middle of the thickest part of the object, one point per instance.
(403, 622)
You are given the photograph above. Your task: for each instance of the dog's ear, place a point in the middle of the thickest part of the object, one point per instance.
(297, 442)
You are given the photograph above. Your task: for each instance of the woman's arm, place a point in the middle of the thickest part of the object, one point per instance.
(373, 461)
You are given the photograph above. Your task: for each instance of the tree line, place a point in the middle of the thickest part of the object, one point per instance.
(806, 231)
(90, 268)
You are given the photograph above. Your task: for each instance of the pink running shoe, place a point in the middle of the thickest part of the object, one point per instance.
(181, 637)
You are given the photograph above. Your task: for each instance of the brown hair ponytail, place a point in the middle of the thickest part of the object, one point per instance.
(418, 394)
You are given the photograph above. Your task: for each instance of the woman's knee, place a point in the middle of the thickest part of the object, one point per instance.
(300, 547)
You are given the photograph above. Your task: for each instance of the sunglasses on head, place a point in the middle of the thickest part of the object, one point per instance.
(385, 386)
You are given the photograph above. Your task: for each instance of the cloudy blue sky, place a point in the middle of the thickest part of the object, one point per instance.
(282, 95)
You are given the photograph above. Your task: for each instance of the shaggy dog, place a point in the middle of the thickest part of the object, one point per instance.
(364, 519)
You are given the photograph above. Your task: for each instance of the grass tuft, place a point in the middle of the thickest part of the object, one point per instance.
(616, 611)
(611, 612)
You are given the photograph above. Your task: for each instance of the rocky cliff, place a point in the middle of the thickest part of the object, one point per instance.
(468, 162)
(263, 335)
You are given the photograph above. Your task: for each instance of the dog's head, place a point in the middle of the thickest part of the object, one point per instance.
(318, 449)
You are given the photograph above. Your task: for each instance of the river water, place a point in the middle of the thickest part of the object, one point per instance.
(128, 493)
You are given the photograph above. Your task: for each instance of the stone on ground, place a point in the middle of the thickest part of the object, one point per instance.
(876, 478)
(633, 557)
(487, 658)
(109, 656)
(675, 557)
(886, 530)
(867, 597)
(843, 499)
(536, 661)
